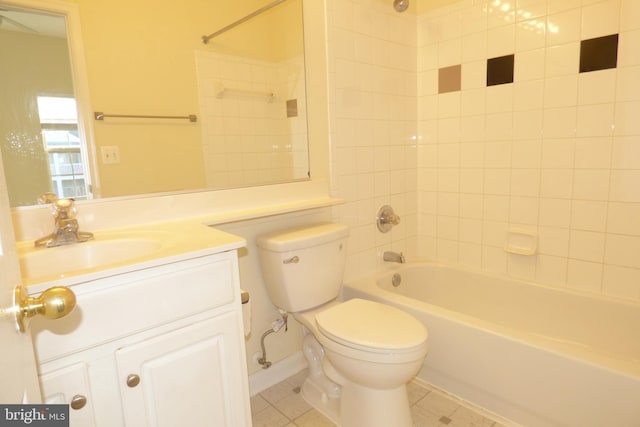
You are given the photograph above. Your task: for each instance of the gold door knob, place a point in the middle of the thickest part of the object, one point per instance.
(53, 303)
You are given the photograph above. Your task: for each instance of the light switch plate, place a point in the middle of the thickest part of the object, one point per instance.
(110, 154)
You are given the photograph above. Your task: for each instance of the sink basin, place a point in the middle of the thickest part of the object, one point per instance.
(59, 261)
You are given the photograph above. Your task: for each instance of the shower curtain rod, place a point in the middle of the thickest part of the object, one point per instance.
(205, 39)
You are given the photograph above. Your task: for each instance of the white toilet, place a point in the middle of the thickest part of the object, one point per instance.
(372, 350)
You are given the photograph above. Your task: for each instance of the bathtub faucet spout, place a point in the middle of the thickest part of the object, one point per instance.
(393, 257)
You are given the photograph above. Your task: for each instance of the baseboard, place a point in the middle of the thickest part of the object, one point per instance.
(279, 371)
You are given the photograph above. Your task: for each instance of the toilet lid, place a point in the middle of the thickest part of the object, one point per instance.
(370, 325)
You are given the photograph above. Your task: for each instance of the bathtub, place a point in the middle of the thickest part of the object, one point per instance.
(536, 355)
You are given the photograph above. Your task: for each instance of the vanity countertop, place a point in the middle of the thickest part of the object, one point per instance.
(121, 250)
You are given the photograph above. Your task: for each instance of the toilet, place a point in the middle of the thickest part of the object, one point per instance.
(361, 353)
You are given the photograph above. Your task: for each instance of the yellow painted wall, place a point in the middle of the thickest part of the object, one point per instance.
(140, 59)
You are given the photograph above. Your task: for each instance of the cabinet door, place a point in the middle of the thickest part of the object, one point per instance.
(193, 376)
(70, 385)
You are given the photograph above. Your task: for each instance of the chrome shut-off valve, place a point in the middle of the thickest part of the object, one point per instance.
(386, 218)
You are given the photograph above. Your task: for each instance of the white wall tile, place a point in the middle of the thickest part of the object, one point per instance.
(497, 154)
(525, 182)
(470, 255)
(449, 52)
(589, 215)
(497, 181)
(555, 212)
(553, 241)
(474, 75)
(562, 60)
(472, 180)
(560, 122)
(628, 52)
(556, 183)
(494, 260)
(558, 153)
(499, 126)
(621, 282)
(600, 19)
(593, 153)
(622, 250)
(557, 150)
(474, 19)
(628, 84)
(527, 124)
(597, 87)
(563, 27)
(626, 118)
(629, 15)
(551, 270)
(499, 98)
(625, 186)
(530, 35)
(561, 91)
(523, 267)
(495, 208)
(471, 155)
(530, 65)
(584, 276)
(474, 47)
(622, 218)
(501, 41)
(586, 245)
(526, 154)
(471, 230)
(471, 206)
(524, 210)
(595, 120)
(591, 184)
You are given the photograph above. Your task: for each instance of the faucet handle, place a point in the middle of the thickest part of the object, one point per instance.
(47, 198)
(64, 208)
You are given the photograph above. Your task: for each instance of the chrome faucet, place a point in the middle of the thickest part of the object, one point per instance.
(66, 229)
(393, 257)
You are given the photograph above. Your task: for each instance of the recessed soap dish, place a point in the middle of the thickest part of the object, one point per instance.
(521, 242)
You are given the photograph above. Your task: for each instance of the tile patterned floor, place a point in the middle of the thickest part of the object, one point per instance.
(283, 406)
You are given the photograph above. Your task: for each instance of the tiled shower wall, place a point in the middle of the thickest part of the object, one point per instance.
(554, 153)
(248, 136)
(372, 75)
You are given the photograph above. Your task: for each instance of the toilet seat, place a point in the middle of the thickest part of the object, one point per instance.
(372, 327)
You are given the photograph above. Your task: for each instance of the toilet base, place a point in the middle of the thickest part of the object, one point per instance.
(366, 407)
(315, 395)
(346, 403)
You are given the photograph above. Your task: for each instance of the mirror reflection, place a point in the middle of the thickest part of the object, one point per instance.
(245, 85)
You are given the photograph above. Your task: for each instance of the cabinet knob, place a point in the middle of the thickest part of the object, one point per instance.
(78, 401)
(133, 380)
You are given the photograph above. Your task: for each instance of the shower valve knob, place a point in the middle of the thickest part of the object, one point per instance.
(386, 218)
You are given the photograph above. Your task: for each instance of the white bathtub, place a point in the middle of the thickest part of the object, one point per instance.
(536, 355)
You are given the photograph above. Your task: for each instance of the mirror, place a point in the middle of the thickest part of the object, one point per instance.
(146, 58)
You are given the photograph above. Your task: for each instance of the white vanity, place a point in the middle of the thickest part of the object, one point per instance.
(156, 338)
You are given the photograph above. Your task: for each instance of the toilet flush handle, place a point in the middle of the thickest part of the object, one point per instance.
(293, 260)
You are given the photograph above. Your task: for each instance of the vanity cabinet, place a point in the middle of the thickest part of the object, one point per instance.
(185, 377)
(70, 385)
(157, 346)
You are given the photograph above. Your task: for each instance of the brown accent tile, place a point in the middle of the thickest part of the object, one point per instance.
(449, 79)
(600, 53)
(500, 70)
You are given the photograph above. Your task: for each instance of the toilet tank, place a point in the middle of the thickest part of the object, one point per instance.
(303, 267)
